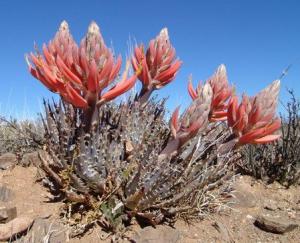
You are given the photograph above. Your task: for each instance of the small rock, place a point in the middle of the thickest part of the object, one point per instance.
(6, 194)
(160, 234)
(282, 205)
(7, 214)
(128, 147)
(8, 160)
(248, 216)
(270, 205)
(244, 198)
(14, 227)
(45, 228)
(274, 225)
(31, 159)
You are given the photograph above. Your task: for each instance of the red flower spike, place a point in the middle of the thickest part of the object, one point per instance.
(158, 63)
(222, 91)
(254, 120)
(79, 74)
(194, 119)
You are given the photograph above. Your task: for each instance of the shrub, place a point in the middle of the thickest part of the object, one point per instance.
(20, 137)
(114, 161)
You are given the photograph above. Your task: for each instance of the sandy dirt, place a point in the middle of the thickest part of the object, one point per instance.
(234, 223)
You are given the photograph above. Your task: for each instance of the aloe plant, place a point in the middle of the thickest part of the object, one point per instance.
(123, 160)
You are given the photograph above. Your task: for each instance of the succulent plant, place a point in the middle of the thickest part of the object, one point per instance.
(123, 160)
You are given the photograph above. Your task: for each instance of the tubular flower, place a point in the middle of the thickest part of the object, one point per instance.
(194, 119)
(158, 63)
(79, 74)
(222, 91)
(253, 120)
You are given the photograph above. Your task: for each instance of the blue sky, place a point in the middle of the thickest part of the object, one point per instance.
(256, 40)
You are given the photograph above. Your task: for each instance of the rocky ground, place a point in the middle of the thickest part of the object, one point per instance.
(256, 213)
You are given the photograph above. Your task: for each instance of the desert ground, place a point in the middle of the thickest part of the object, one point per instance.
(255, 212)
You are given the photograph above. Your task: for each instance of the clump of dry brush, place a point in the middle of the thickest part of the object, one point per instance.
(20, 137)
(114, 161)
(281, 161)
